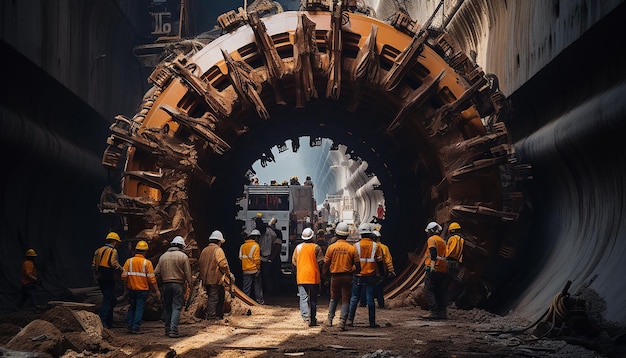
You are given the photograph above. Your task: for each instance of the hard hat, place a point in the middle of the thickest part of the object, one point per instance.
(113, 236)
(307, 234)
(178, 240)
(254, 232)
(141, 246)
(376, 233)
(217, 235)
(342, 229)
(454, 226)
(259, 215)
(433, 226)
(31, 253)
(365, 228)
(273, 221)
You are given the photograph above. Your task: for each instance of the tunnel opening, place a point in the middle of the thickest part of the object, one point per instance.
(428, 126)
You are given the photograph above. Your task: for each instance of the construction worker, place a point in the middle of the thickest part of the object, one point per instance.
(174, 272)
(389, 271)
(270, 246)
(435, 284)
(307, 258)
(139, 276)
(371, 258)
(106, 269)
(214, 272)
(342, 260)
(250, 256)
(29, 280)
(274, 259)
(454, 257)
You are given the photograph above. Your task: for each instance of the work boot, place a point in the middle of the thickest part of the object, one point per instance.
(350, 323)
(313, 322)
(431, 315)
(442, 315)
(342, 325)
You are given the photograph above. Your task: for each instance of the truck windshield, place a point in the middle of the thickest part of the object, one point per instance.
(268, 202)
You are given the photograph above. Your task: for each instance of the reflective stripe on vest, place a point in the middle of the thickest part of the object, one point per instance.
(249, 256)
(142, 273)
(372, 258)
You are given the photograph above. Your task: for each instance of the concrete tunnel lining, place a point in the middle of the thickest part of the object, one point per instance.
(444, 120)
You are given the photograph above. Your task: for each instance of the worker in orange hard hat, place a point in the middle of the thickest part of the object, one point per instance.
(106, 269)
(29, 280)
(139, 276)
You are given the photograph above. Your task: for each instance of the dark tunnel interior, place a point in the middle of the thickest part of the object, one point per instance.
(566, 122)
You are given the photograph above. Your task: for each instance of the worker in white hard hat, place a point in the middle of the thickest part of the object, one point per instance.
(250, 256)
(173, 271)
(213, 270)
(307, 258)
(436, 282)
(342, 261)
(371, 258)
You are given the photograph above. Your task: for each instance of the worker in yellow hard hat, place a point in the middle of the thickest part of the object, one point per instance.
(139, 276)
(29, 280)
(106, 269)
(454, 259)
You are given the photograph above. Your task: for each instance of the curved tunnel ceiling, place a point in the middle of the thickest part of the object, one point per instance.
(425, 118)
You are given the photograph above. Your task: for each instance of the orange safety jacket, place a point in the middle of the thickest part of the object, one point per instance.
(440, 245)
(370, 254)
(306, 258)
(29, 273)
(138, 273)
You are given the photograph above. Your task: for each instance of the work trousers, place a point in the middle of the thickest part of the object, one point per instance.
(435, 289)
(367, 283)
(340, 292)
(308, 301)
(28, 296)
(172, 305)
(248, 281)
(215, 301)
(109, 300)
(135, 310)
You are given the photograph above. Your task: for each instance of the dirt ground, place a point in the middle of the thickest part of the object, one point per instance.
(276, 330)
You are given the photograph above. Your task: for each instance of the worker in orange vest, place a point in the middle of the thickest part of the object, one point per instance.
(139, 276)
(307, 258)
(29, 279)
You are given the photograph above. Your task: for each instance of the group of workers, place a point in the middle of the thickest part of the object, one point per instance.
(357, 272)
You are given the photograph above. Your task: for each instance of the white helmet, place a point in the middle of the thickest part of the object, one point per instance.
(254, 232)
(342, 229)
(365, 228)
(178, 240)
(307, 234)
(217, 235)
(434, 227)
(376, 233)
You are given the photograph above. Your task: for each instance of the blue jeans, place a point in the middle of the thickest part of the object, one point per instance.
(135, 311)
(360, 283)
(248, 281)
(308, 301)
(28, 296)
(172, 304)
